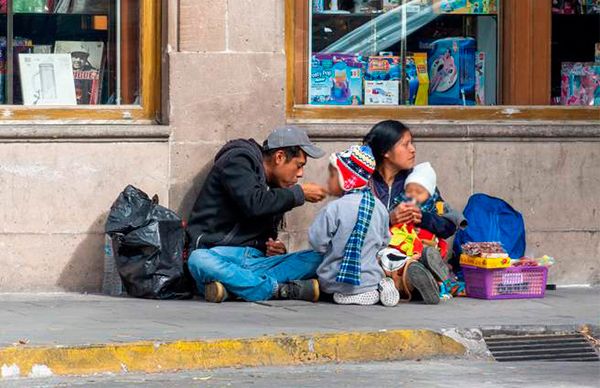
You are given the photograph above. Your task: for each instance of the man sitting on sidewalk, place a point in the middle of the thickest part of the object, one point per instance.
(233, 225)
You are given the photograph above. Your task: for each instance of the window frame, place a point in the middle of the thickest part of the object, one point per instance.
(150, 86)
(297, 57)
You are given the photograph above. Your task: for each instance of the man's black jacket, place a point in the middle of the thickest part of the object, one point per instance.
(236, 207)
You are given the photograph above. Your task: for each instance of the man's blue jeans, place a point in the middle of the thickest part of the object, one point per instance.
(247, 272)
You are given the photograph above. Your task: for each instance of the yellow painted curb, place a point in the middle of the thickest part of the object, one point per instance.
(263, 351)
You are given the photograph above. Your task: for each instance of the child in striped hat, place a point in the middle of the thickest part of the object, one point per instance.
(350, 231)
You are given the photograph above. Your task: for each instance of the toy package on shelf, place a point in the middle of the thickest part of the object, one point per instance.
(580, 83)
(451, 68)
(382, 92)
(336, 79)
(467, 7)
(318, 6)
(412, 7)
(483, 7)
(592, 7)
(450, 6)
(417, 79)
(480, 78)
(382, 78)
(567, 7)
(383, 68)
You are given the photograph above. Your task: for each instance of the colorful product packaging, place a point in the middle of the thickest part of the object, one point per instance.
(318, 5)
(479, 7)
(567, 7)
(485, 262)
(597, 53)
(336, 79)
(592, 7)
(580, 83)
(412, 81)
(480, 78)
(382, 92)
(383, 68)
(450, 6)
(451, 67)
(422, 97)
(417, 79)
(382, 77)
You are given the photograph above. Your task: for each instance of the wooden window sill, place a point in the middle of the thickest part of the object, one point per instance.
(300, 113)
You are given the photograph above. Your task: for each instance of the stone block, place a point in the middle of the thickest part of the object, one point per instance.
(452, 164)
(262, 32)
(51, 262)
(52, 188)
(554, 184)
(229, 95)
(202, 25)
(190, 164)
(577, 255)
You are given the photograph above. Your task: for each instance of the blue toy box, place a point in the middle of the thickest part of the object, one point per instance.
(383, 68)
(336, 79)
(451, 69)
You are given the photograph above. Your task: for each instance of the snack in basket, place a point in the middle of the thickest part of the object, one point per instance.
(484, 249)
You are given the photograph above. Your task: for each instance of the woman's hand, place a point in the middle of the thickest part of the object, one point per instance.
(417, 216)
(402, 214)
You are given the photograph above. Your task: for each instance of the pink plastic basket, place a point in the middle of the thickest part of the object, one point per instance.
(505, 283)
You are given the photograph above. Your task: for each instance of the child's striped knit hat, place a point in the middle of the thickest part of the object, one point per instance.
(355, 166)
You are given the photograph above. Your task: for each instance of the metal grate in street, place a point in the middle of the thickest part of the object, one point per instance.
(547, 347)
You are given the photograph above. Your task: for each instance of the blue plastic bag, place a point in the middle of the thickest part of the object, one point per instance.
(492, 219)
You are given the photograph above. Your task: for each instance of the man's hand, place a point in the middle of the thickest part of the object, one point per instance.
(275, 247)
(313, 192)
(402, 214)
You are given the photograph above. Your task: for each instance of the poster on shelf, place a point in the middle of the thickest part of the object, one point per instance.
(87, 65)
(47, 79)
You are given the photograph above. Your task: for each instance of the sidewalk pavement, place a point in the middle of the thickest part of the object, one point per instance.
(43, 322)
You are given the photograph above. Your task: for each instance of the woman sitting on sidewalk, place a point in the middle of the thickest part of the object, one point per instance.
(395, 155)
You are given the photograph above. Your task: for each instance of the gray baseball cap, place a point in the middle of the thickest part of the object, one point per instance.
(292, 136)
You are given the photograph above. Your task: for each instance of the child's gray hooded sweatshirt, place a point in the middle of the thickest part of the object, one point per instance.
(329, 234)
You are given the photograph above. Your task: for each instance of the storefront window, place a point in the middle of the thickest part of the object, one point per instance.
(420, 52)
(576, 52)
(70, 52)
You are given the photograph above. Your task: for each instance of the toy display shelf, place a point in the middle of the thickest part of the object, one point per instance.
(46, 28)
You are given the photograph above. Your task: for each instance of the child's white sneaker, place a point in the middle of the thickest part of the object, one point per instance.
(364, 299)
(388, 294)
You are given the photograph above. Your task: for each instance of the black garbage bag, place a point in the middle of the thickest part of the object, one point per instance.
(148, 245)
